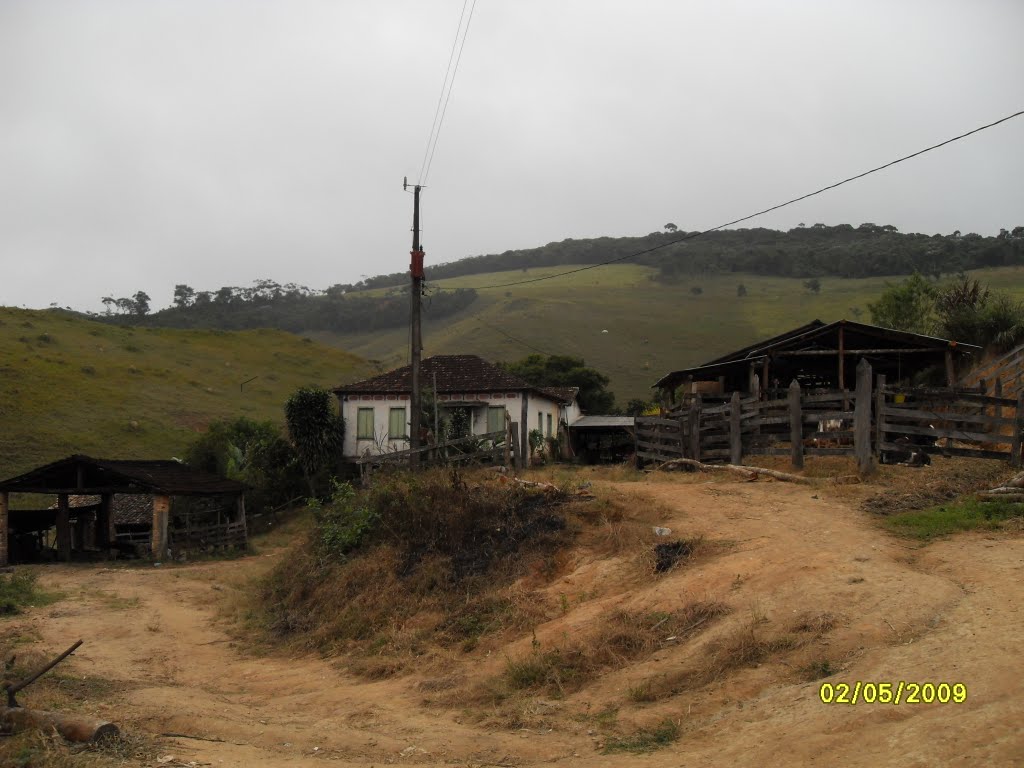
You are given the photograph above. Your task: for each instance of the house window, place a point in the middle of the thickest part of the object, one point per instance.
(540, 423)
(397, 425)
(496, 418)
(364, 424)
(549, 425)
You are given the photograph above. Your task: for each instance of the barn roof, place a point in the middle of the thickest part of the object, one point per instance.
(85, 475)
(817, 337)
(454, 373)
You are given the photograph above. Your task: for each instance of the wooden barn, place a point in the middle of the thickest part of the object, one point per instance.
(821, 355)
(186, 509)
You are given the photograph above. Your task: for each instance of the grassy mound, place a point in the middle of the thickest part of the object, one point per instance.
(416, 562)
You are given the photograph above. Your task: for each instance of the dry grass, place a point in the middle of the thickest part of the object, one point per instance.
(621, 637)
(745, 646)
(35, 749)
(440, 566)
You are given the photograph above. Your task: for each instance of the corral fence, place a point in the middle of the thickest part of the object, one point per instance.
(863, 423)
(492, 447)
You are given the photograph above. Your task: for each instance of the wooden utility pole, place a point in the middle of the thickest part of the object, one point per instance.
(416, 340)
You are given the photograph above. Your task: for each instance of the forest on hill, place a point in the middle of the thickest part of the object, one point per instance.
(811, 252)
(869, 250)
(290, 307)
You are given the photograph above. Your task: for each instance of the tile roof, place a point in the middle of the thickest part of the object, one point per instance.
(563, 395)
(455, 373)
(128, 509)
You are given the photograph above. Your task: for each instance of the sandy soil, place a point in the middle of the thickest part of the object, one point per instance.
(949, 612)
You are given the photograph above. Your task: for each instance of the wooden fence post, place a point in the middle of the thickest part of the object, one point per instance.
(862, 419)
(4, 504)
(999, 406)
(879, 414)
(735, 425)
(1018, 426)
(796, 426)
(517, 451)
(695, 406)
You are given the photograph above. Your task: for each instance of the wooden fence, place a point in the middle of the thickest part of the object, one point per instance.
(498, 447)
(211, 536)
(951, 422)
(861, 423)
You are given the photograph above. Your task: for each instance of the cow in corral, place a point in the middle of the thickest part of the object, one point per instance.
(827, 425)
(909, 453)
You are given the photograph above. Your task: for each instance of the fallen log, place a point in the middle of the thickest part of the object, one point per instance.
(750, 473)
(71, 727)
(1002, 494)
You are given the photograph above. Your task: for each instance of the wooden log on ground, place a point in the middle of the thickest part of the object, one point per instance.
(995, 495)
(751, 473)
(71, 727)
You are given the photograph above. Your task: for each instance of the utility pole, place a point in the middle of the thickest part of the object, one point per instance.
(416, 340)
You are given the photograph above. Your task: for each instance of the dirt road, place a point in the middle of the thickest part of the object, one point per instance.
(949, 612)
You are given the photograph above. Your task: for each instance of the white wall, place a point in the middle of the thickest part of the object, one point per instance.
(353, 448)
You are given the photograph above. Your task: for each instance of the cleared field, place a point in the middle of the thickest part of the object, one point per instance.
(651, 328)
(70, 385)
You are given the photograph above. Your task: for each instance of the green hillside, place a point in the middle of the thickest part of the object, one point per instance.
(652, 327)
(71, 385)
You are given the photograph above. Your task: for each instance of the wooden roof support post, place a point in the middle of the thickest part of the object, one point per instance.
(950, 369)
(241, 518)
(524, 430)
(735, 430)
(796, 426)
(63, 528)
(842, 368)
(862, 419)
(5, 500)
(158, 536)
(106, 535)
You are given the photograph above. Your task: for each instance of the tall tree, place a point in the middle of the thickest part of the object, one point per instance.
(566, 371)
(906, 306)
(183, 296)
(140, 303)
(315, 430)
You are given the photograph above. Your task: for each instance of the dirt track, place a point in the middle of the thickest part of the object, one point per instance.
(946, 613)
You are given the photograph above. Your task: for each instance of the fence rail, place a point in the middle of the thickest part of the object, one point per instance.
(864, 423)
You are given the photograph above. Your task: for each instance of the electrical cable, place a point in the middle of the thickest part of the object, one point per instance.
(425, 170)
(694, 235)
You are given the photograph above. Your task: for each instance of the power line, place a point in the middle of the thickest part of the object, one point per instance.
(436, 134)
(694, 235)
(440, 96)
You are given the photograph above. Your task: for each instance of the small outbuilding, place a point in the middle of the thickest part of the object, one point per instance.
(820, 355)
(211, 507)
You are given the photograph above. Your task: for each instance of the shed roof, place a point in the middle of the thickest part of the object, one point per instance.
(817, 335)
(85, 475)
(454, 373)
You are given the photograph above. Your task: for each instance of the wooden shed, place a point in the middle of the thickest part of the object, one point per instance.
(821, 355)
(91, 526)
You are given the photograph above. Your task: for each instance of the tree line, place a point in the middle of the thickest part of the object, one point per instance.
(289, 307)
(815, 251)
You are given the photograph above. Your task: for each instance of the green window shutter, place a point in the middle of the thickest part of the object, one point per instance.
(397, 429)
(496, 418)
(540, 422)
(364, 424)
(549, 425)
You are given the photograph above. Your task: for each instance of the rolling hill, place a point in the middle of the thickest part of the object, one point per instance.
(652, 327)
(72, 385)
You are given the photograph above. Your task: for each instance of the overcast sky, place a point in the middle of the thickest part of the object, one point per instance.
(145, 143)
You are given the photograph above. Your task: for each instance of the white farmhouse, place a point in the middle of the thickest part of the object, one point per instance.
(376, 410)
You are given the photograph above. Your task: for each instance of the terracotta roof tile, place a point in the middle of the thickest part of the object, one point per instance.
(455, 373)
